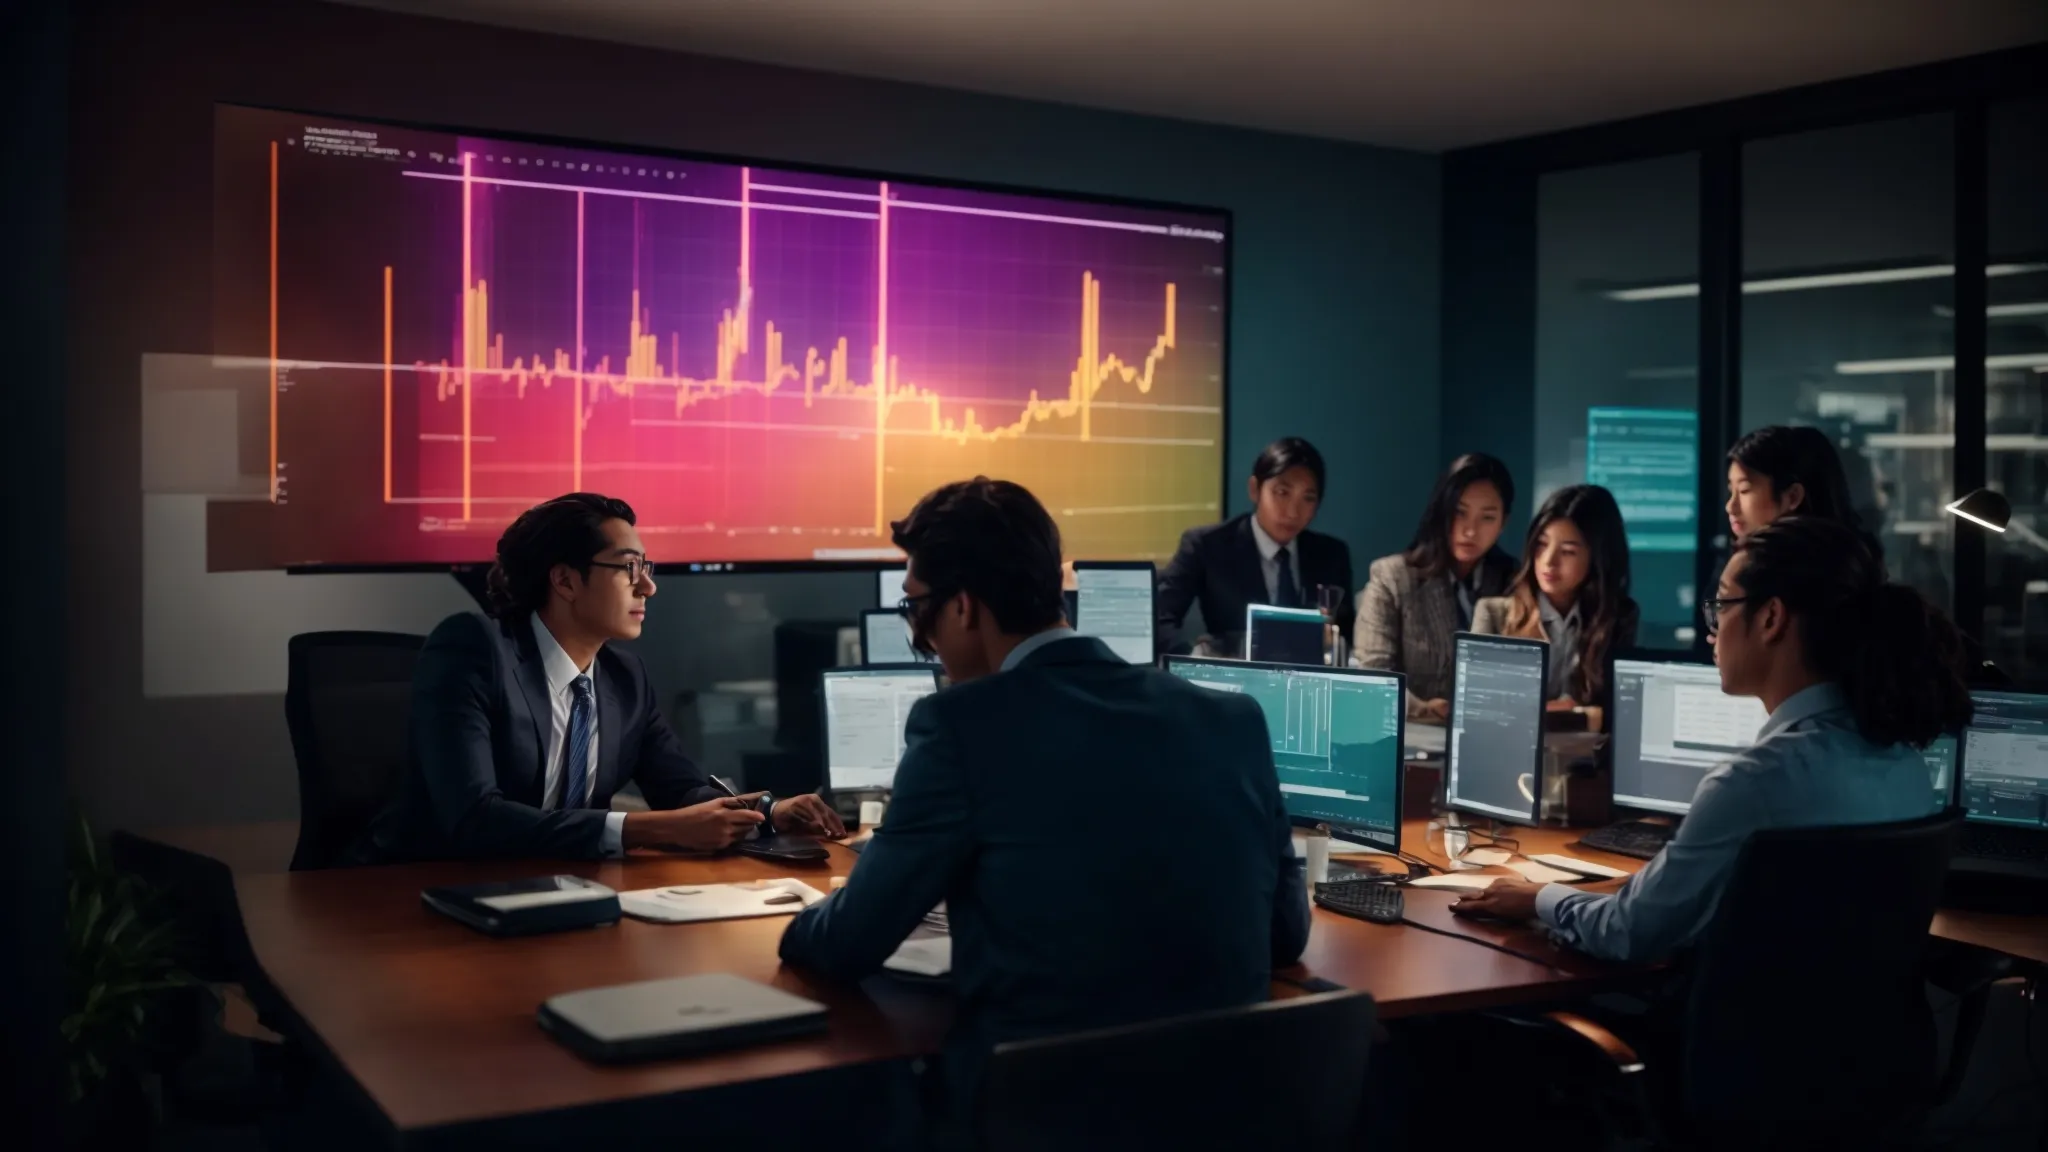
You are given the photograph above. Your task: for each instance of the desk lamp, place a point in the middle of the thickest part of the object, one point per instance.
(1988, 509)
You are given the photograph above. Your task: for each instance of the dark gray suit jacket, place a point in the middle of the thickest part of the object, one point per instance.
(1405, 623)
(1014, 804)
(480, 720)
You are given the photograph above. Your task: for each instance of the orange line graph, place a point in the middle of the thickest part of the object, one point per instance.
(387, 383)
(882, 364)
(481, 358)
(645, 370)
(576, 420)
(471, 323)
(273, 322)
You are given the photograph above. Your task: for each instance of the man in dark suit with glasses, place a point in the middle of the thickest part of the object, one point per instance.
(526, 722)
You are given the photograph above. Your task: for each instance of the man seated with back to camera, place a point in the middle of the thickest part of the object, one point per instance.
(526, 722)
(1014, 804)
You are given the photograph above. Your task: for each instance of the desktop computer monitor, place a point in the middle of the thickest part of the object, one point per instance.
(885, 638)
(2004, 774)
(865, 710)
(889, 587)
(1114, 605)
(1672, 725)
(1284, 635)
(1494, 755)
(1336, 735)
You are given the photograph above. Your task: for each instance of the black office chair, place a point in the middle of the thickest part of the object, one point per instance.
(1270, 1075)
(349, 704)
(1806, 1023)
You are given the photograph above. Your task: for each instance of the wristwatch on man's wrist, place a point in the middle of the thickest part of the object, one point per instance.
(766, 807)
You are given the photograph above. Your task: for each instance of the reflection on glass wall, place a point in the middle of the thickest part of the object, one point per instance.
(1847, 325)
(2016, 389)
(1617, 357)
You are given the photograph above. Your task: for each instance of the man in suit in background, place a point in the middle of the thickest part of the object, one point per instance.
(1266, 556)
(525, 723)
(1014, 802)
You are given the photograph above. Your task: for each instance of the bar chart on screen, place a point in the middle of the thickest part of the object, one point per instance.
(770, 365)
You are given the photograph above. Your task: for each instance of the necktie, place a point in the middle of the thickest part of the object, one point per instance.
(576, 762)
(1284, 592)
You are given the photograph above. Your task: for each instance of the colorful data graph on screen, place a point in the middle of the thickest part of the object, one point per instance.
(770, 365)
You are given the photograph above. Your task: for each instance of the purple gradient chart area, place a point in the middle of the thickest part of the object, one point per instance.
(769, 364)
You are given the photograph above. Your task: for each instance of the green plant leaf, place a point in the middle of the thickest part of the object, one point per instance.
(121, 958)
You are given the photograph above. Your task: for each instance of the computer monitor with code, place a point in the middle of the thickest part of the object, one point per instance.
(1673, 725)
(1113, 603)
(1494, 761)
(1336, 737)
(885, 637)
(2004, 773)
(865, 711)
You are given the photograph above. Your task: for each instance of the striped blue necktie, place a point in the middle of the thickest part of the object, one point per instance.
(575, 766)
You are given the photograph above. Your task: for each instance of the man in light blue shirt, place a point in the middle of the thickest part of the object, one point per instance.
(1809, 767)
(1857, 675)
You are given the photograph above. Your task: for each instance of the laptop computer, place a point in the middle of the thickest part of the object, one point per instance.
(687, 1014)
(2002, 785)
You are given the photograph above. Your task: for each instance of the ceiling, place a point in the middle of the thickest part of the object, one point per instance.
(1426, 74)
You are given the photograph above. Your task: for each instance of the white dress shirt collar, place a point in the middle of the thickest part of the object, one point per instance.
(1033, 643)
(1270, 548)
(1552, 618)
(561, 670)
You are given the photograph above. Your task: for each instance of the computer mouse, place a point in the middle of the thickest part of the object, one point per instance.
(785, 898)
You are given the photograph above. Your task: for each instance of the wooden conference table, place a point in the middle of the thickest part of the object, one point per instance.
(434, 1023)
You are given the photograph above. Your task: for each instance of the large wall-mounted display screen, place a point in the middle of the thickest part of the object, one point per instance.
(769, 364)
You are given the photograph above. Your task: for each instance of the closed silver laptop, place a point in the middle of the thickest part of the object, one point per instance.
(687, 1014)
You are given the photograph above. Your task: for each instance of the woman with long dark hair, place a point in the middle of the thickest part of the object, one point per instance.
(1414, 601)
(1572, 590)
(1782, 470)
(1858, 674)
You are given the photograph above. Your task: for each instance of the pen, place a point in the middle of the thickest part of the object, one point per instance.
(729, 790)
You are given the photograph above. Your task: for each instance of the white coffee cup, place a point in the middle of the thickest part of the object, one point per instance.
(871, 813)
(1316, 850)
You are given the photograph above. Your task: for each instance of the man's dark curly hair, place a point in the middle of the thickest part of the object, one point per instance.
(993, 540)
(566, 530)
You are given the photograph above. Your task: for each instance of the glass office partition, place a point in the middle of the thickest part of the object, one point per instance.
(1848, 240)
(2016, 387)
(1617, 357)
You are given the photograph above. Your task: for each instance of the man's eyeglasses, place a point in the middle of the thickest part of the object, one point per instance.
(910, 608)
(634, 568)
(1711, 610)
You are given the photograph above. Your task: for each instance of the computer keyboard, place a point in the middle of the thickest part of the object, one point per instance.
(1638, 838)
(1990, 841)
(1374, 900)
